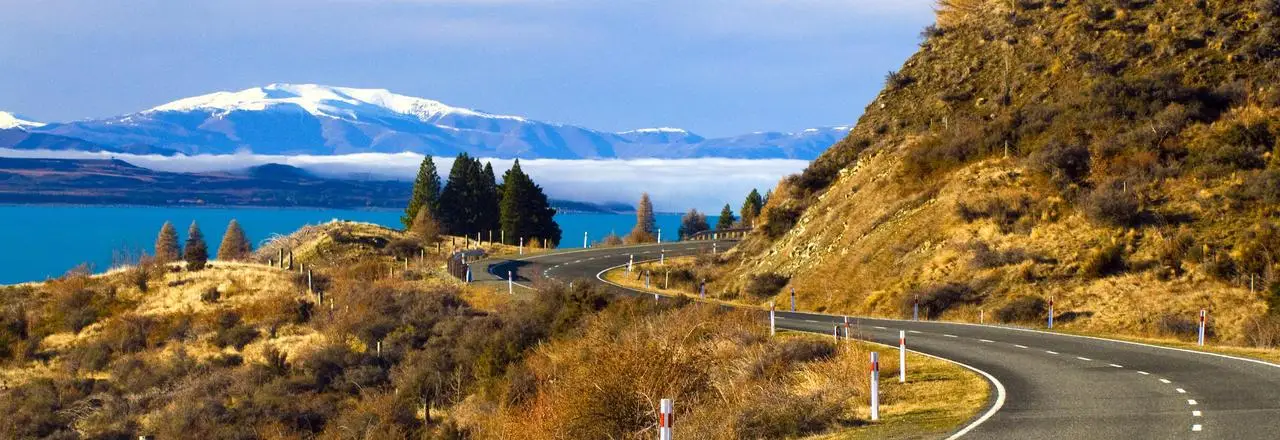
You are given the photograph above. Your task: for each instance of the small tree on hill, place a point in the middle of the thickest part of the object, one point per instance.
(726, 218)
(426, 193)
(693, 222)
(646, 224)
(235, 246)
(525, 210)
(167, 247)
(425, 227)
(197, 252)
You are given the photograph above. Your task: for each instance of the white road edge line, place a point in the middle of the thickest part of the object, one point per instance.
(1196, 428)
(1181, 391)
(1165, 381)
(1144, 373)
(1196, 414)
(1192, 402)
(1117, 366)
(1083, 358)
(951, 336)
(1001, 394)
(1019, 346)
(987, 341)
(1050, 352)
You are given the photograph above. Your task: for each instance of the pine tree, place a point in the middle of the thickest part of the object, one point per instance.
(460, 211)
(525, 211)
(765, 202)
(425, 228)
(167, 247)
(646, 225)
(426, 192)
(490, 198)
(693, 222)
(726, 218)
(235, 246)
(197, 252)
(751, 208)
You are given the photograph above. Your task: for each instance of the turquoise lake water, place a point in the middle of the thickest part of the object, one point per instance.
(37, 242)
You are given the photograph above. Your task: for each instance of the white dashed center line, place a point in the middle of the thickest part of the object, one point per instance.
(1144, 373)
(1164, 381)
(1182, 391)
(1083, 358)
(1195, 414)
(1192, 402)
(951, 336)
(1020, 346)
(986, 340)
(913, 331)
(1196, 428)
(1117, 366)
(1050, 352)
(880, 328)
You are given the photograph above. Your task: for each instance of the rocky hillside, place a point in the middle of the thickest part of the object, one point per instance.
(1117, 156)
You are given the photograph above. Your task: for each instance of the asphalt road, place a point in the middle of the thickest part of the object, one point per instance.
(1044, 385)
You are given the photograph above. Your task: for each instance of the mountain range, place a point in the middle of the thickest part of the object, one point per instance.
(294, 119)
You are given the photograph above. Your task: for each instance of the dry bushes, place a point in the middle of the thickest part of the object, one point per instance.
(1023, 309)
(937, 299)
(765, 285)
(728, 378)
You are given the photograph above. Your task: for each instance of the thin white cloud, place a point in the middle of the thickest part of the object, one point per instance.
(674, 185)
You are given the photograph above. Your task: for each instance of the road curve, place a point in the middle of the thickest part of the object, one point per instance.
(1058, 386)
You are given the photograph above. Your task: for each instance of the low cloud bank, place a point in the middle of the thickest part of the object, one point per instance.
(674, 184)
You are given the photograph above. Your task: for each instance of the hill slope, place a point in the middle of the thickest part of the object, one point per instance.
(323, 120)
(1117, 156)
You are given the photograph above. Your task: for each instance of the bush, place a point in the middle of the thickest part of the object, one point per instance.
(780, 219)
(1109, 260)
(210, 295)
(1263, 331)
(1005, 211)
(986, 258)
(897, 80)
(1173, 251)
(784, 416)
(1112, 204)
(765, 285)
(1023, 309)
(404, 248)
(232, 332)
(780, 358)
(1182, 326)
(936, 299)
(1064, 163)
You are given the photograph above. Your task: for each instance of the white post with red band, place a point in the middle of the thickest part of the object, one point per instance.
(846, 327)
(511, 283)
(1203, 315)
(666, 419)
(773, 322)
(1051, 312)
(630, 261)
(902, 356)
(875, 386)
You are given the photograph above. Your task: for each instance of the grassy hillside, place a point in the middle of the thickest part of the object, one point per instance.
(1118, 156)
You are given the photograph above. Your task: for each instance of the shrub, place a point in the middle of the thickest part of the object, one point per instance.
(1263, 331)
(1108, 260)
(232, 332)
(1005, 211)
(897, 80)
(1023, 309)
(780, 358)
(780, 219)
(1173, 251)
(784, 416)
(1113, 204)
(936, 299)
(986, 258)
(1182, 326)
(765, 285)
(404, 248)
(210, 294)
(1064, 163)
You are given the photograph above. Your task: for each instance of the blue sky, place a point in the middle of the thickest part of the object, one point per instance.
(716, 67)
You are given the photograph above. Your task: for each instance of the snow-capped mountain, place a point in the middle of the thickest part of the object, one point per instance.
(10, 120)
(323, 120)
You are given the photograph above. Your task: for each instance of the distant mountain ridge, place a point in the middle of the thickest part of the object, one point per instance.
(291, 119)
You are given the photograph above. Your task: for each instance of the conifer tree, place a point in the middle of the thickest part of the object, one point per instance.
(765, 202)
(426, 192)
(235, 246)
(167, 247)
(693, 222)
(525, 210)
(460, 211)
(490, 198)
(751, 208)
(196, 252)
(646, 224)
(726, 218)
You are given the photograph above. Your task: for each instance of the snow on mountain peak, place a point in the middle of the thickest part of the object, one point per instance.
(657, 130)
(321, 100)
(10, 120)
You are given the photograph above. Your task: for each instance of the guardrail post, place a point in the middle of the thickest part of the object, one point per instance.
(773, 321)
(902, 356)
(666, 419)
(875, 386)
(1203, 315)
(1051, 312)
(793, 299)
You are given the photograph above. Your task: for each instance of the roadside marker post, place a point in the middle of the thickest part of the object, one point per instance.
(646, 279)
(662, 257)
(468, 279)
(773, 321)
(310, 287)
(835, 333)
(902, 356)
(1051, 312)
(793, 299)
(915, 309)
(666, 282)
(846, 327)
(659, 235)
(521, 245)
(1203, 314)
(702, 289)
(875, 386)
(666, 419)
(502, 235)
(982, 316)
(511, 288)
(715, 248)
(584, 240)
(630, 260)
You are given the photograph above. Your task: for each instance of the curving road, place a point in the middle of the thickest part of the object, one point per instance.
(1045, 385)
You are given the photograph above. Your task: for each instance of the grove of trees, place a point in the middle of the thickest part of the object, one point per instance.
(472, 201)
